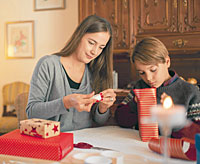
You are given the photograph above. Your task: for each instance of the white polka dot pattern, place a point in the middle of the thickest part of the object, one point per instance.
(54, 148)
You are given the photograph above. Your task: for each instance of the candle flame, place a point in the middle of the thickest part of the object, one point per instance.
(167, 102)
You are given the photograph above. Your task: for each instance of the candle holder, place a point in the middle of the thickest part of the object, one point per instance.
(168, 116)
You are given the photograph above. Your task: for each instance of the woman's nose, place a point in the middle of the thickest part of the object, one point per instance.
(94, 51)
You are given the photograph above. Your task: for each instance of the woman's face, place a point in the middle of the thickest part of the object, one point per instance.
(91, 46)
(153, 75)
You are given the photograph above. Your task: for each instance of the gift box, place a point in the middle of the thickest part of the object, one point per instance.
(146, 99)
(40, 128)
(54, 148)
(197, 145)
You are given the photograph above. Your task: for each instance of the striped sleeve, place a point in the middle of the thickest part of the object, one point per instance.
(194, 112)
(126, 113)
(128, 98)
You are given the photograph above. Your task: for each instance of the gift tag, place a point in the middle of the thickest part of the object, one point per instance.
(98, 97)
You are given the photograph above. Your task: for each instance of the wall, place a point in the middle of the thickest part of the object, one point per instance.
(52, 28)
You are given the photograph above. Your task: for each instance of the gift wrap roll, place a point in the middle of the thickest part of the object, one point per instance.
(146, 99)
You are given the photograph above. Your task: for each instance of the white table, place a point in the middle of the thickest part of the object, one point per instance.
(124, 140)
(127, 141)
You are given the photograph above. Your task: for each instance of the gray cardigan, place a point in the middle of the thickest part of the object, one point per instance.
(49, 84)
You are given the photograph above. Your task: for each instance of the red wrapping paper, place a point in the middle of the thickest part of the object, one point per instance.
(146, 98)
(54, 148)
(176, 148)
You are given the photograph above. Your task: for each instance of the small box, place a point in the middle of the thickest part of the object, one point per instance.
(197, 145)
(53, 148)
(40, 128)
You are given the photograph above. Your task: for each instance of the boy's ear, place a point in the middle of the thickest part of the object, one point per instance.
(168, 61)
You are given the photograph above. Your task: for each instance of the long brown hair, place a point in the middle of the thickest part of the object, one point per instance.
(101, 67)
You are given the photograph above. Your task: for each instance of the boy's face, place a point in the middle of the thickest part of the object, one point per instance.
(153, 75)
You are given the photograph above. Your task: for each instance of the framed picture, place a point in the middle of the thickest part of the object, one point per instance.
(19, 39)
(48, 4)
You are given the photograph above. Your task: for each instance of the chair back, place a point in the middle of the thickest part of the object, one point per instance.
(20, 106)
(11, 90)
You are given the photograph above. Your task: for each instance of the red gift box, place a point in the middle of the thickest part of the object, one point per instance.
(54, 148)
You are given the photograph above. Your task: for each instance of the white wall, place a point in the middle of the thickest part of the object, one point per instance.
(52, 29)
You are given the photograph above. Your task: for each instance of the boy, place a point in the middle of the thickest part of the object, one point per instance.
(152, 61)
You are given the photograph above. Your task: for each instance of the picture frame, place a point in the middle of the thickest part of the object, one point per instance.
(40, 5)
(19, 39)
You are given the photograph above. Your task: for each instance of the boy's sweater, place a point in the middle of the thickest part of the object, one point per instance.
(181, 92)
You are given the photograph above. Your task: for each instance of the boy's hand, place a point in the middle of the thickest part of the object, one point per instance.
(135, 99)
(163, 96)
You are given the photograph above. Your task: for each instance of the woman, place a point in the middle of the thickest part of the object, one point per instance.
(64, 83)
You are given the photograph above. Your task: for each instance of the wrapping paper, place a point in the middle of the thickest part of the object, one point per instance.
(183, 148)
(54, 148)
(40, 128)
(146, 98)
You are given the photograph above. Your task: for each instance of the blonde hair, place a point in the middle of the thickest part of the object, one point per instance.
(150, 50)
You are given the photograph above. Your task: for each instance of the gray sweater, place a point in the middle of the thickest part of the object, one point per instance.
(49, 84)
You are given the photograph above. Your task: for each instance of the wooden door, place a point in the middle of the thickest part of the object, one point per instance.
(156, 17)
(190, 10)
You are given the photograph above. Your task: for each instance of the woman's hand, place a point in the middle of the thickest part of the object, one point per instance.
(109, 98)
(81, 102)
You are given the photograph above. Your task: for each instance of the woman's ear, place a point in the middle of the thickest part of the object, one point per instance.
(168, 61)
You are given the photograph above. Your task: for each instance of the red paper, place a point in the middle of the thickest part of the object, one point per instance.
(54, 148)
(146, 98)
(176, 148)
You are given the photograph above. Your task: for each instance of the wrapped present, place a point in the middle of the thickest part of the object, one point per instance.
(183, 148)
(40, 128)
(146, 99)
(54, 148)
